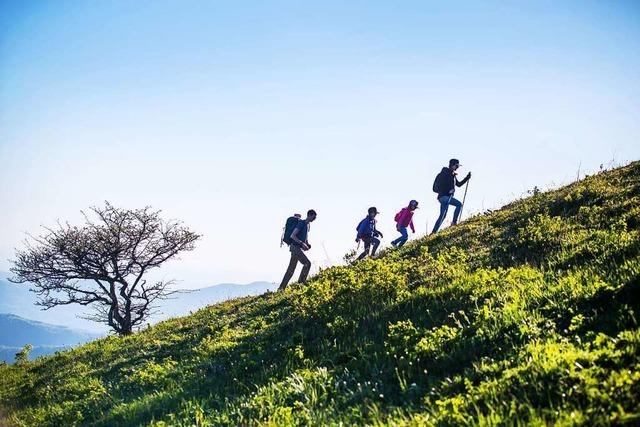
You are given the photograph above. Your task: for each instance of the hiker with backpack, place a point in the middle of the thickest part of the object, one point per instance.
(445, 185)
(368, 233)
(295, 235)
(404, 219)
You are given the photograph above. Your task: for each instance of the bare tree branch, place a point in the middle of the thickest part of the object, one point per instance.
(102, 263)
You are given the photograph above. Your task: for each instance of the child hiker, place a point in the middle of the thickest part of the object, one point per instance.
(368, 233)
(404, 219)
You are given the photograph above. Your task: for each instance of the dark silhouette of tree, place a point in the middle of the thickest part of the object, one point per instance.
(103, 262)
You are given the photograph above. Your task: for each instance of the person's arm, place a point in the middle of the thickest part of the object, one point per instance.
(450, 183)
(403, 216)
(376, 232)
(294, 237)
(411, 225)
(464, 181)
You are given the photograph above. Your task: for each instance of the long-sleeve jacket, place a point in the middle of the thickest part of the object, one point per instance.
(404, 218)
(367, 228)
(446, 181)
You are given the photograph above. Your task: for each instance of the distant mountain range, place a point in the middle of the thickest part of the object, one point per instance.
(22, 322)
(16, 331)
(17, 299)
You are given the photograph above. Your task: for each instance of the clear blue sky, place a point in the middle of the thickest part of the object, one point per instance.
(232, 115)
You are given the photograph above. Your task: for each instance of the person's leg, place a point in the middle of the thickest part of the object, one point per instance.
(444, 207)
(458, 204)
(290, 269)
(367, 245)
(306, 265)
(375, 243)
(404, 238)
(396, 241)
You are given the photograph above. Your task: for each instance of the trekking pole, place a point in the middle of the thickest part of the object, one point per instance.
(466, 187)
(328, 260)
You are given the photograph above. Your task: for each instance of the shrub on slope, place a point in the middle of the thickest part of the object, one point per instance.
(527, 314)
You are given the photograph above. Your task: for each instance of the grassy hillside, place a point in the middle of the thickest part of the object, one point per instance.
(527, 314)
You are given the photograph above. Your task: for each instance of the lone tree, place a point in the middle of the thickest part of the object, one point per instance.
(102, 263)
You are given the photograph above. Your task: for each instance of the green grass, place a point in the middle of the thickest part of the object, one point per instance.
(526, 315)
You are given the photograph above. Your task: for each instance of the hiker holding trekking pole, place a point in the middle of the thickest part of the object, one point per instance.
(404, 219)
(445, 184)
(368, 233)
(295, 235)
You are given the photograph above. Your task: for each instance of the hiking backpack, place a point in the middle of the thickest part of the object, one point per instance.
(289, 226)
(358, 227)
(436, 184)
